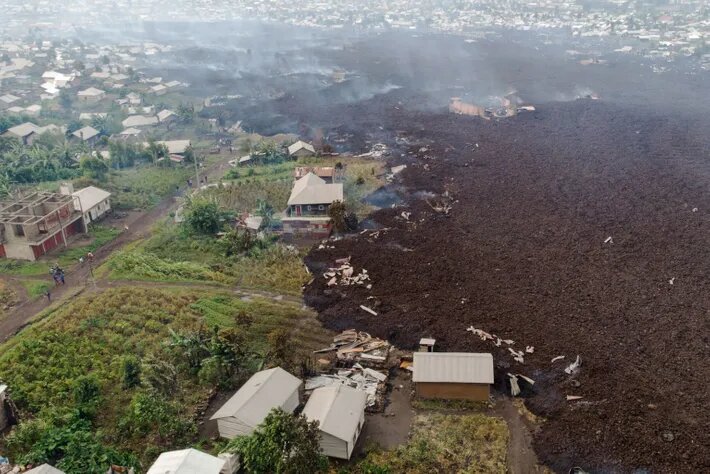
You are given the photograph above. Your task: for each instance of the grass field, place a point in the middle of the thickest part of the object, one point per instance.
(143, 187)
(472, 443)
(171, 255)
(94, 335)
(36, 288)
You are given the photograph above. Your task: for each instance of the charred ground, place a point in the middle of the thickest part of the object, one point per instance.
(534, 197)
(522, 255)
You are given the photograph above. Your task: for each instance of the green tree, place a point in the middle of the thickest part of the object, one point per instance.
(237, 241)
(65, 99)
(282, 444)
(86, 395)
(189, 155)
(266, 211)
(337, 213)
(4, 186)
(186, 112)
(93, 168)
(157, 151)
(203, 217)
(280, 349)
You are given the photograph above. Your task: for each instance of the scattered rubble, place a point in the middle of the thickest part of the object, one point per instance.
(352, 346)
(345, 274)
(518, 356)
(368, 380)
(361, 362)
(516, 380)
(573, 368)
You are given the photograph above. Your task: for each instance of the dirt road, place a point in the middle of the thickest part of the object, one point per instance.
(79, 276)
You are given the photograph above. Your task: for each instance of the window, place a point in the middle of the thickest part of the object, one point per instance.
(19, 230)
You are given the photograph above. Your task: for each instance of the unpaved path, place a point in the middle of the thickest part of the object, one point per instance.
(521, 456)
(79, 276)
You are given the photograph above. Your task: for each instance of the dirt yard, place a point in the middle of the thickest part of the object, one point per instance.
(525, 253)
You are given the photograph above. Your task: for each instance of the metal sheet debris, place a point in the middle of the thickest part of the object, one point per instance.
(367, 380)
(573, 368)
(345, 274)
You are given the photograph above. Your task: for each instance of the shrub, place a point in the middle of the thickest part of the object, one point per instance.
(131, 372)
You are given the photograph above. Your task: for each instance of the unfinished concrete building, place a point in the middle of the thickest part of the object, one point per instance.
(33, 225)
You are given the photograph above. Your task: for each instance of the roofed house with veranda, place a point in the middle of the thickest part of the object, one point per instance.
(308, 205)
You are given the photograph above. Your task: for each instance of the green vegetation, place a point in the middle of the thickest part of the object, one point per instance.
(183, 259)
(471, 443)
(246, 195)
(119, 374)
(99, 235)
(283, 443)
(8, 296)
(141, 188)
(362, 178)
(204, 217)
(49, 158)
(36, 288)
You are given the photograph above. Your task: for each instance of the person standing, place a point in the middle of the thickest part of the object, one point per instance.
(48, 294)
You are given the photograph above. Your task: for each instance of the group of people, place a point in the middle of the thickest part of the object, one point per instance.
(203, 181)
(57, 274)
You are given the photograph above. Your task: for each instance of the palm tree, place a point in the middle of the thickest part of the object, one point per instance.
(266, 211)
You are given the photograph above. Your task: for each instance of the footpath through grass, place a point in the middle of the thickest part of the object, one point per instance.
(472, 443)
(153, 356)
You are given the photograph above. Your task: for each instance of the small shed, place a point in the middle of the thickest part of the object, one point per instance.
(44, 469)
(453, 375)
(186, 461)
(247, 409)
(426, 344)
(301, 149)
(340, 412)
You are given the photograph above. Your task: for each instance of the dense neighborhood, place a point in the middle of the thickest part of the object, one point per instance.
(269, 236)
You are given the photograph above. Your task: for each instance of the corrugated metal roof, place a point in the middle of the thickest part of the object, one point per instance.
(90, 197)
(91, 91)
(453, 367)
(23, 129)
(300, 145)
(86, 133)
(264, 391)
(186, 461)
(139, 121)
(313, 190)
(338, 409)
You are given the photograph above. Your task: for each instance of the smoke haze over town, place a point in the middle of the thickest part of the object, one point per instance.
(354, 236)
